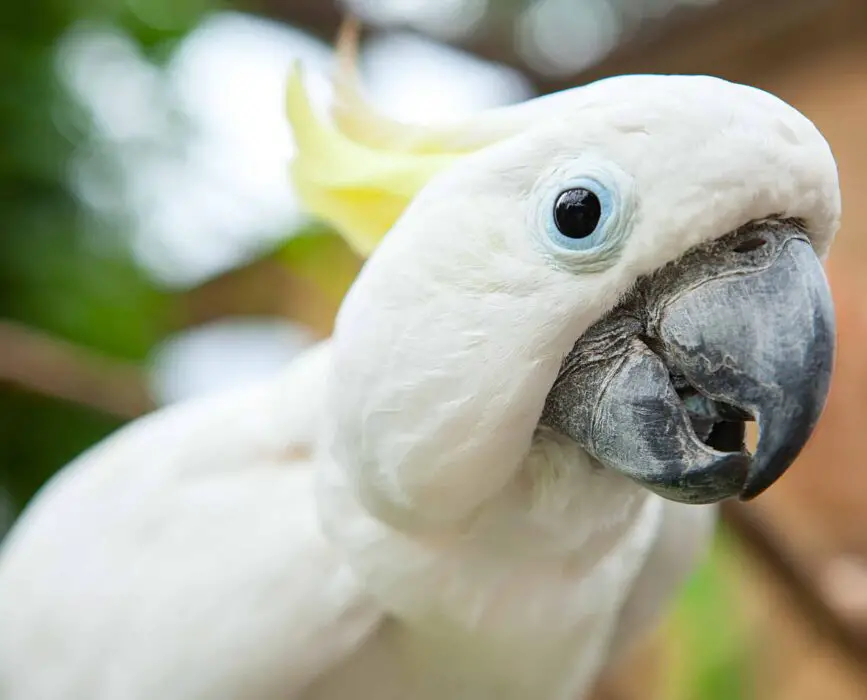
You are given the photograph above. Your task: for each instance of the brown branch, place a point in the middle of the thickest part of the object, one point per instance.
(688, 39)
(769, 549)
(37, 362)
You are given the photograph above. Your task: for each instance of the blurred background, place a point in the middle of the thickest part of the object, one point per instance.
(151, 250)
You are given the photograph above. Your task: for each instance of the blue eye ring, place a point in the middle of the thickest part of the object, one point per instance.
(591, 203)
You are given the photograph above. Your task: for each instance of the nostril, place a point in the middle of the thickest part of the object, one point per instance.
(749, 245)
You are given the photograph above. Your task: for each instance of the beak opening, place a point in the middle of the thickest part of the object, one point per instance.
(738, 329)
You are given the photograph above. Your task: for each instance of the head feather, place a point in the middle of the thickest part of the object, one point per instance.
(358, 170)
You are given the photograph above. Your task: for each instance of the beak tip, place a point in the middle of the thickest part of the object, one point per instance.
(759, 479)
(752, 491)
(770, 465)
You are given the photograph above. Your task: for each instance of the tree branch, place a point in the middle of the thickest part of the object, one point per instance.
(37, 362)
(770, 550)
(687, 39)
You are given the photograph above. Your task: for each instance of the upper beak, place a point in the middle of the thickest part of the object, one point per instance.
(741, 328)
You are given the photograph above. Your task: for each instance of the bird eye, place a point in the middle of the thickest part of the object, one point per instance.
(577, 212)
(586, 215)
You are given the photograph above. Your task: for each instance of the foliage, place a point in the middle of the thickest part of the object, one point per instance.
(61, 268)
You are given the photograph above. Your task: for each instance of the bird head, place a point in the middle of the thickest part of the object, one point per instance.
(635, 263)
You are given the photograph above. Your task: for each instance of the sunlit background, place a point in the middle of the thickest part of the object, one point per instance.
(151, 249)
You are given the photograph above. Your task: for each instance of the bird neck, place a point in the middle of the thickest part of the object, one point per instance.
(433, 402)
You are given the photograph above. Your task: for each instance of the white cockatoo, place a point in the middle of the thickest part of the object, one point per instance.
(502, 464)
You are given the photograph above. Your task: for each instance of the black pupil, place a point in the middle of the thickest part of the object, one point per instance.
(577, 213)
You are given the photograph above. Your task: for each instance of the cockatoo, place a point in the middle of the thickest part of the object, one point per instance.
(493, 476)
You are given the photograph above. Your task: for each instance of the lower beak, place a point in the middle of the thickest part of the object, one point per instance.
(741, 328)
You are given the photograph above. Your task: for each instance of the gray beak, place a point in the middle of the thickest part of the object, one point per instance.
(738, 329)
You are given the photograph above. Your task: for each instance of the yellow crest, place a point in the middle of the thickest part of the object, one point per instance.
(359, 170)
